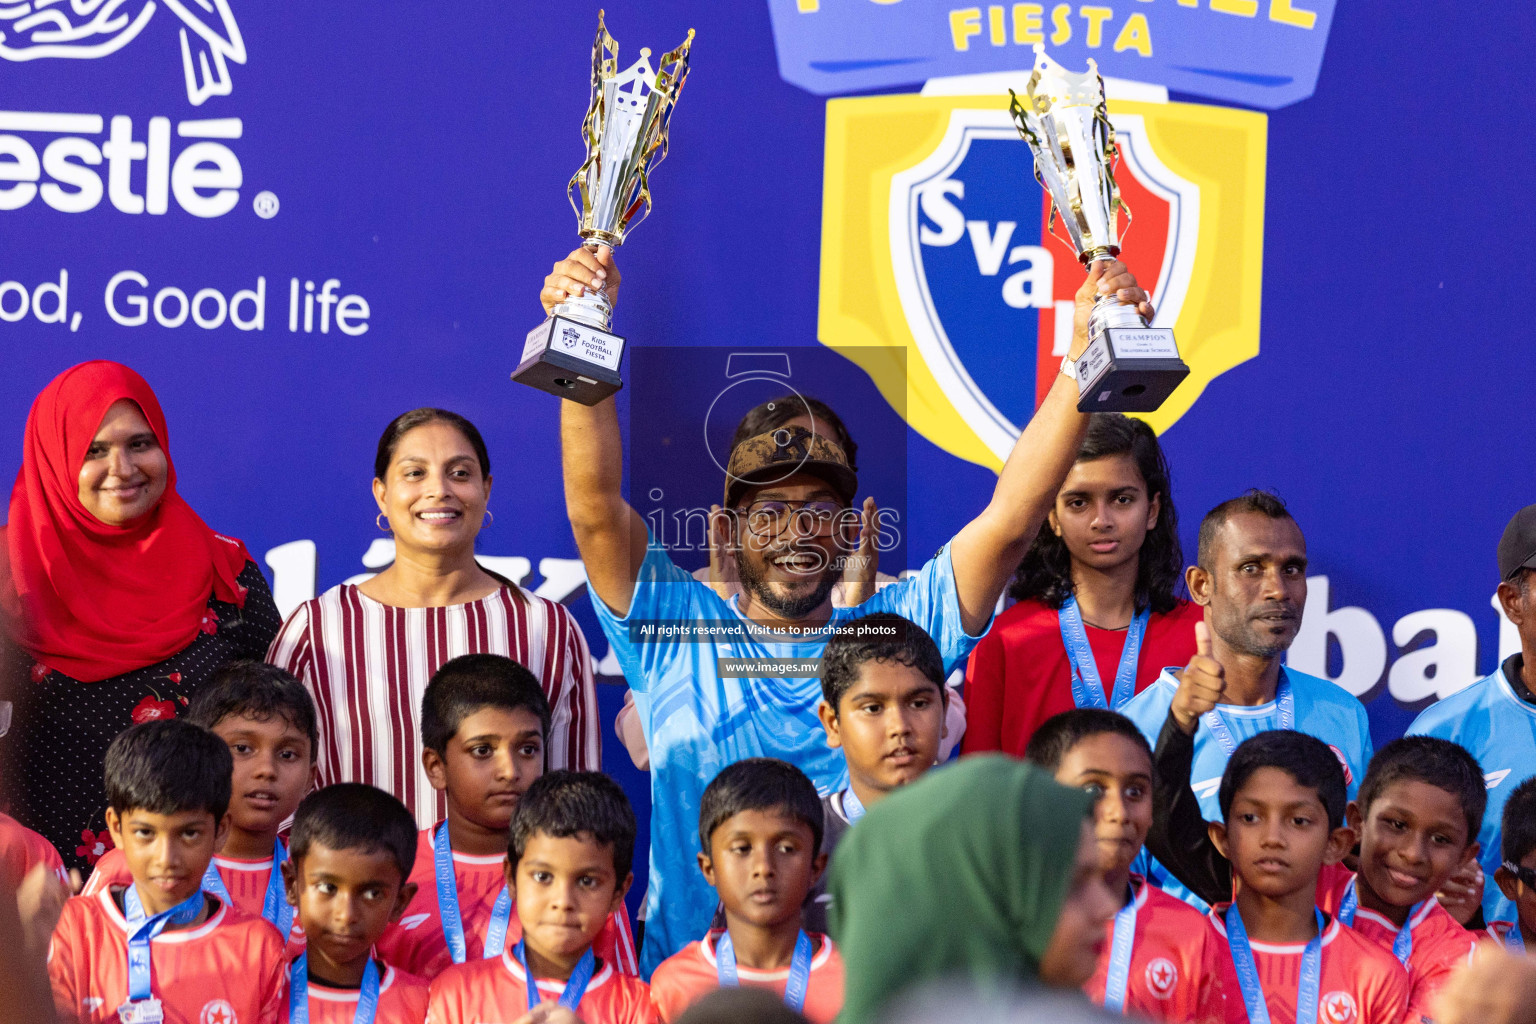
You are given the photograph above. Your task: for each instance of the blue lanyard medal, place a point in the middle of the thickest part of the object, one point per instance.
(1514, 941)
(1285, 701)
(853, 807)
(1087, 688)
(1402, 946)
(1120, 957)
(575, 988)
(448, 905)
(274, 905)
(1248, 974)
(142, 1007)
(298, 993)
(799, 968)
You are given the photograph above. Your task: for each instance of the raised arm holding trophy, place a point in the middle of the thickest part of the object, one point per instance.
(1128, 366)
(574, 353)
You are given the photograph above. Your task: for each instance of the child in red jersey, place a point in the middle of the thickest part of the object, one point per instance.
(268, 721)
(761, 822)
(484, 718)
(1097, 617)
(1416, 819)
(351, 849)
(21, 850)
(1420, 807)
(1282, 797)
(1158, 952)
(34, 887)
(160, 948)
(568, 867)
(1516, 876)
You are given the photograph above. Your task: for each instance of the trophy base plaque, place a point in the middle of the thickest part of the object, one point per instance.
(1129, 369)
(572, 360)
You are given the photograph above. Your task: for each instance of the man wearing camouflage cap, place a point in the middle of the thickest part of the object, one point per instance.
(788, 492)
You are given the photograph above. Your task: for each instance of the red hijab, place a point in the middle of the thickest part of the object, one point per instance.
(90, 600)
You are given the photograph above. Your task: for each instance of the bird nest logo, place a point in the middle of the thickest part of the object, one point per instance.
(92, 29)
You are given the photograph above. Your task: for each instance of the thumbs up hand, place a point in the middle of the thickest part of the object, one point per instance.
(1201, 684)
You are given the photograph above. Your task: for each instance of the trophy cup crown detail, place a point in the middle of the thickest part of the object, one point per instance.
(574, 353)
(1129, 365)
(1066, 124)
(626, 136)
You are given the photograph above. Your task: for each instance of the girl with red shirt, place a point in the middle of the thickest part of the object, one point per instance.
(1097, 618)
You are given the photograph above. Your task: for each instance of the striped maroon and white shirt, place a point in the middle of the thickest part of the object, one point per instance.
(367, 665)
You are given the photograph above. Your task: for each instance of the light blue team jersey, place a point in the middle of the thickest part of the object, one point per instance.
(1323, 709)
(1500, 730)
(696, 722)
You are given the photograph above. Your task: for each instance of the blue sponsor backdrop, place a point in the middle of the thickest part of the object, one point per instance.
(418, 155)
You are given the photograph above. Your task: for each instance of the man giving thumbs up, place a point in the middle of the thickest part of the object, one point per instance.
(1252, 582)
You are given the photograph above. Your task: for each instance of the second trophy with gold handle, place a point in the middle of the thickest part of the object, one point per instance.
(1129, 366)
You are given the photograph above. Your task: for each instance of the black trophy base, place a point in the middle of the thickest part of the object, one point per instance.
(572, 360)
(1129, 369)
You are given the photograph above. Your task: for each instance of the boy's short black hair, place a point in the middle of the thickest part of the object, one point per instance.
(1306, 759)
(470, 682)
(760, 784)
(168, 766)
(355, 816)
(1435, 762)
(564, 804)
(903, 642)
(254, 689)
(1060, 733)
(1518, 835)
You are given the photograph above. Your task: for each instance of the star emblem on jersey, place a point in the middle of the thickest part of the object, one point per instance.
(1339, 1008)
(217, 1011)
(1162, 976)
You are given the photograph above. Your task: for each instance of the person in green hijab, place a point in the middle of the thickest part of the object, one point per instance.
(982, 873)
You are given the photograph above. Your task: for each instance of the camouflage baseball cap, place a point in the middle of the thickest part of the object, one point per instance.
(780, 454)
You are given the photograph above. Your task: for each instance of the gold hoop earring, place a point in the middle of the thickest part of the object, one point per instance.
(384, 527)
(489, 517)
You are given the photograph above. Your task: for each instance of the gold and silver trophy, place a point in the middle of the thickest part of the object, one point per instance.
(1128, 366)
(574, 353)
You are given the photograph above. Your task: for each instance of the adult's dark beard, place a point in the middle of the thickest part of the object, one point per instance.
(1246, 639)
(785, 607)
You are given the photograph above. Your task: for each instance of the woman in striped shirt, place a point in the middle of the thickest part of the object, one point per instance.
(366, 651)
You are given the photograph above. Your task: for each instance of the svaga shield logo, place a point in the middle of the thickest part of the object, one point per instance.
(935, 243)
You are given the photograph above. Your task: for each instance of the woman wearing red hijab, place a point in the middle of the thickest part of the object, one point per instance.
(119, 599)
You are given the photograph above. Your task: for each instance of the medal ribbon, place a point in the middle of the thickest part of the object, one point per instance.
(799, 968)
(1087, 688)
(448, 905)
(1402, 946)
(1514, 941)
(1285, 698)
(274, 905)
(142, 929)
(1120, 957)
(1248, 973)
(298, 993)
(575, 988)
(853, 807)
